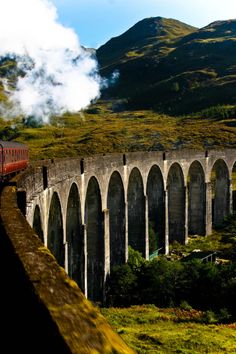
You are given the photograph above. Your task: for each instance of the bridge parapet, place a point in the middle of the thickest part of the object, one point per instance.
(44, 311)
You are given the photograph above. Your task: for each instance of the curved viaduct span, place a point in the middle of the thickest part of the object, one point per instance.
(87, 211)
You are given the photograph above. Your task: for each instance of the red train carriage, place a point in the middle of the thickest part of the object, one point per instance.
(13, 158)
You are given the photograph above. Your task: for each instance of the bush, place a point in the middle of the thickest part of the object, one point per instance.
(218, 112)
(210, 317)
(185, 306)
(121, 286)
(164, 283)
(135, 259)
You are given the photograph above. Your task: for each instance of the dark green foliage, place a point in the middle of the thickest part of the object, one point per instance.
(205, 286)
(9, 132)
(160, 280)
(121, 286)
(135, 261)
(219, 112)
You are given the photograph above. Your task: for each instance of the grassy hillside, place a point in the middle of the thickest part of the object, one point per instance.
(101, 130)
(147, 37)
(179, 70)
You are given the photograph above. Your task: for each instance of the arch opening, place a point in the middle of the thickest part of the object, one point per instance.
(196, 200)
(116, 206)
(95, 241)
(156, 211)
(37, 223)
(176, 204)
(74, 237)
(136, 212)
(55, 230)
(220, 185)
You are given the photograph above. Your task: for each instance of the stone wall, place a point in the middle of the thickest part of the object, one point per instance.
(42, 309)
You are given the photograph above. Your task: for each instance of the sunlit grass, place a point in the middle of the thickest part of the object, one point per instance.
(148, 329)
(106, 132)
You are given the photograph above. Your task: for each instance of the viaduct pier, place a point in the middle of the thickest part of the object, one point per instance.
(67, 222)
(87, 211)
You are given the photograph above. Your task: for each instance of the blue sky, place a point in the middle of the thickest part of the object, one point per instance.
(96, 21)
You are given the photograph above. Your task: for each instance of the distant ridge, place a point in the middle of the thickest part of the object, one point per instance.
(171, 66)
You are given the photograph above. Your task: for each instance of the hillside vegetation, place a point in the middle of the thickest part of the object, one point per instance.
(176, 90)
(190, 304)
(172, 67)
(101, 130)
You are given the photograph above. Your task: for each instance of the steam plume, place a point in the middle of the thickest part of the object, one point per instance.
(58, 74)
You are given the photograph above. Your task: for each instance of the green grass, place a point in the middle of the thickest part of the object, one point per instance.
(106, 131)
(148, 329)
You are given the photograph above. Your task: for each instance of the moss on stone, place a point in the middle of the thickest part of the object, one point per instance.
(79, 323)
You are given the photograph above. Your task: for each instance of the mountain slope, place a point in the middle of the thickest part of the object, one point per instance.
(174, 68)
(144, 38)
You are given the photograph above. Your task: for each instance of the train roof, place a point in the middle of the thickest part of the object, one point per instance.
(12, 144)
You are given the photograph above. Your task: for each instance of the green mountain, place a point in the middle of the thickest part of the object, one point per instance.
(172, 67)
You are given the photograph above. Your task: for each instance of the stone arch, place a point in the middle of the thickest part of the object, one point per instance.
(116, 206)
(234, 187)
(136, 212)
(74, 237)
(196, 199)
(55, 230)
(220, 191)
(37, 223)
(95, 241)
(176, 204)
(156, 210)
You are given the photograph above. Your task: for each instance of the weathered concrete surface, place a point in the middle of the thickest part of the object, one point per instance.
(43, 310)
(174, 192)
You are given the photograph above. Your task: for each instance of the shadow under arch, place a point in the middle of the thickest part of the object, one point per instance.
(234, 187)
(74, 237)
(136, 212)
(55, 230)
(156, 210)
(220, 185)
(95, 241)
(176, 204)
(37, 223)
(116, 206)
(196, 199)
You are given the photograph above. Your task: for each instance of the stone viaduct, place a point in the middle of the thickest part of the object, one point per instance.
(87, 211)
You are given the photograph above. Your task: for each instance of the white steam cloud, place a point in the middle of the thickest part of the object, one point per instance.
(59, 75)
